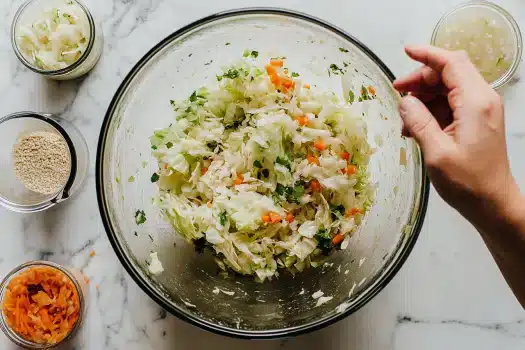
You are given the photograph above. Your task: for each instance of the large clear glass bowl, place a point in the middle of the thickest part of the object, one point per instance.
(175, 67)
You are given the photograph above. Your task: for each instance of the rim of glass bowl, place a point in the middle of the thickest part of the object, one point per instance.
(509, 74)
(58, 72)
(392, 266)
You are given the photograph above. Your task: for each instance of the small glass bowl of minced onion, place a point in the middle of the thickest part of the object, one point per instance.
(58, 39)
(490, 36)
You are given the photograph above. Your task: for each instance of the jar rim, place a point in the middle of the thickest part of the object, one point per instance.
(513, 26)
(15, 337)
(57, 72)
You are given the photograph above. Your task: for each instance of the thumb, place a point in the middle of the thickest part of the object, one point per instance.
(420, 123)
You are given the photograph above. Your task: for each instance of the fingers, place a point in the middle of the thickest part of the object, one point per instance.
(421, 124)
(423, 80)
(455, 67)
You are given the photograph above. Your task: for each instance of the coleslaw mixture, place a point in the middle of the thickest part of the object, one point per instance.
(268, 173)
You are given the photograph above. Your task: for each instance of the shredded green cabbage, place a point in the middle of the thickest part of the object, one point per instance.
(265, 170)
(57, 39)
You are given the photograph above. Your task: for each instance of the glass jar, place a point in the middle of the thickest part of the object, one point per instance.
(447, 37)
(29, 11)
(13, 194)
(80, 285)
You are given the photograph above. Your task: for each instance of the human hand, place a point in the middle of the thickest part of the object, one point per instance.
(458, 121)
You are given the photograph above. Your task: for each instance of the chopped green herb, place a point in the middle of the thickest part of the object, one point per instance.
(265, 172)
(140, 217)
(254, 54)
(231, 74)
(155, 177)
(169, 144)
(335, 69)
(351, 97)
(324, 241)
(246, 53)
(223, 218)
(227, 44)
(257, 164)
(117, 179)
(131, 178)
(295, 75)
(284, 162)
(338, 211)
(280, 189)
(364, 94)
(500, 60)
(212, 145)
(153, 147)
(193, 96)
(69, 18)
(342, 49)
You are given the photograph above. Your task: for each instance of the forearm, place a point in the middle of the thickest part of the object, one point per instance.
(502, 227)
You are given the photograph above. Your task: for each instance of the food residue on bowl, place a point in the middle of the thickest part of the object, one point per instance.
(155, 266)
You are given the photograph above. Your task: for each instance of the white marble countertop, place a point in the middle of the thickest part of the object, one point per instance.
(449, 294)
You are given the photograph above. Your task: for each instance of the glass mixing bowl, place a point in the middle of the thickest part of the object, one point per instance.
(175, 67)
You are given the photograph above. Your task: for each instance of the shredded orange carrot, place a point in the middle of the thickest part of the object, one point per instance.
(290, 218)
(371, 90)
(265, 218)
(271, 70)
(320, 145)
(303, 120)
(209, 204)
(306, 86)
(204, 171)
(274, 217)
(239, 180)
(92, 254)
(353, 211)
(276, 80)
(338, 238)
(42, 305)
(286, 71)
(345, 155)
(351, 170)
(276, 62)
(315, 186)
(288, 83)
(312, 159)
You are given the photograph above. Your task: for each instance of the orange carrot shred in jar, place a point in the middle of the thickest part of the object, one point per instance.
(42, 305)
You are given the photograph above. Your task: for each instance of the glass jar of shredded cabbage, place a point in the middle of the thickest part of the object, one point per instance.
(56, 38)
(489, 35)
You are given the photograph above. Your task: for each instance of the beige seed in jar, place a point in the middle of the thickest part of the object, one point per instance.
(42, 162)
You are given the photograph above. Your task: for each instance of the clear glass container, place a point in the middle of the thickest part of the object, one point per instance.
(13, 194)
(172, 70)
(477, 9)
(78, 280)
(30, 11)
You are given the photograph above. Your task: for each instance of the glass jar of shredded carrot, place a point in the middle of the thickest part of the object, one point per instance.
(42, 305)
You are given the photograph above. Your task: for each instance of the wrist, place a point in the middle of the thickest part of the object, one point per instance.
(505, 209)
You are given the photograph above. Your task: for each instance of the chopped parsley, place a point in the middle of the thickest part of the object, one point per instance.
(284, 162)
(351, 97)
(342, 49)
(223, 219)
(230, 74)
(153, 147)
(254, 54)
(155, 177)
(324, 241)
(295, 75)
(257, 164)
(169, 144)
(337, 211)
(140, 217)
(291, 194)
(336, 70)
(365, 96)
(131, 178)
(227, 44)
